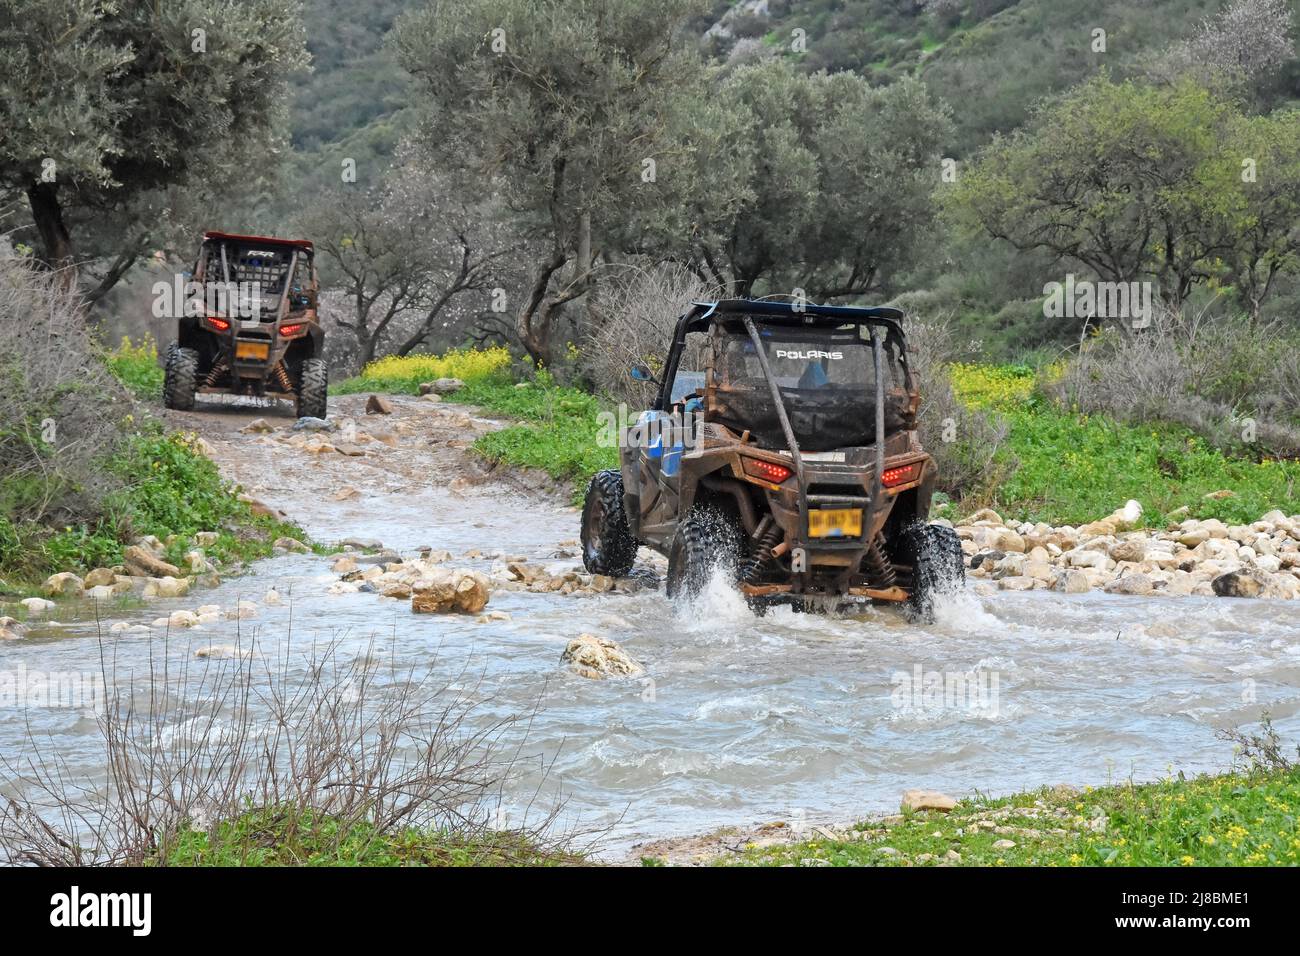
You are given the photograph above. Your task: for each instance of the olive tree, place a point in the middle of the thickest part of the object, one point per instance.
(818, 182)
(1125, 180)
(102, 104)
(565, 103)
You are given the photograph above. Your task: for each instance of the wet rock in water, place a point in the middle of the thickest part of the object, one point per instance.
(225, 652)
(37, 607)
(1016, 583)
(345, 564)
(166, 587)
(143, 564)
(101, 593)
(258, 426)
(100, 577)
(350, 451)
(446, 591)
(361, 544)
(291, 544)
(344, 494)
(1247, 583)
(378, 405)
(1131, 584)
(927, 800)
(988, 558)
(309, 424)
(272, 598)
(1075, 581)
(598, 657)
(63, 584)
(10, 629)
(242, 611)
(493, 617)
(179, 619)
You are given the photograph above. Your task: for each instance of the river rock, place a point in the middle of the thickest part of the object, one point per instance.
(145, 564)
(1130, 549)
(309, 424)
(378, 405)
(258, 426)
(1074, 581)
(37, 607)
(291, 544)
(180, 619)
(206, 539)
(63, 584)
(167, 587)
(456, 590)
(1247, 583)
(917, 800)
(1131, 584)
(224, 652)
(100, 577)
(10, 629)
(101, 593)
(598, 657)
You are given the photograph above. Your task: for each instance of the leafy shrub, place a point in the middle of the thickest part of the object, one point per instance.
(136, 367)
(398, 373)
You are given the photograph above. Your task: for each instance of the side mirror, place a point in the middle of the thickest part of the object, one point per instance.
(641, 373)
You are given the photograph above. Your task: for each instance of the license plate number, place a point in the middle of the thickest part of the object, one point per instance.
(252, 350)
(835, 523)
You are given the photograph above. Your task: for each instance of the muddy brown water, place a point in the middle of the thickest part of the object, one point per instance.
(738, 719)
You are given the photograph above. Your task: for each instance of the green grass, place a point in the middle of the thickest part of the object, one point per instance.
(136, 367)
(1229, 820)
(290, 837)
(1078, 468)
(167, 488)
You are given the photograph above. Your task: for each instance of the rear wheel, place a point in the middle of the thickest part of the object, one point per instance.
(935, 554)
(607, 544)
(180, 378)
(313, 389)
(708, 539)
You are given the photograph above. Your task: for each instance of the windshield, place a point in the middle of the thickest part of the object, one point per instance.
(827, 381)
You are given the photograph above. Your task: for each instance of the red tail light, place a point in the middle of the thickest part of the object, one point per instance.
(767, 470)
(897, 476)
(221, 325)
(292, 329)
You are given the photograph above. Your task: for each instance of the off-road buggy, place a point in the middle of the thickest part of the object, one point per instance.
(254, 329)
(782, 446)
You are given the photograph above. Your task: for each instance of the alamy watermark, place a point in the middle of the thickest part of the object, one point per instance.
(922, 691)
(30, 689)
(1085, 299)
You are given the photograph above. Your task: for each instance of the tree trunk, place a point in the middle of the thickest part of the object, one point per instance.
(47, 214)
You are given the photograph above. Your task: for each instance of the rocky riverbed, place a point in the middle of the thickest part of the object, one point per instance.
(656, 720)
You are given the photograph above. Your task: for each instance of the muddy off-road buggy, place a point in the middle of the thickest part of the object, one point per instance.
(255, 332)
(782, 447)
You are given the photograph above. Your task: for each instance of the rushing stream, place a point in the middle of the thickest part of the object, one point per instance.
(742, 719)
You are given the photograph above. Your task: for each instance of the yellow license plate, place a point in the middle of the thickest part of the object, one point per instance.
(835, 523)
(252, 350)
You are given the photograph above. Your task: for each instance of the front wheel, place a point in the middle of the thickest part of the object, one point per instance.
(607, 544)
(935, 554)
(313, 389)
(708, 539)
